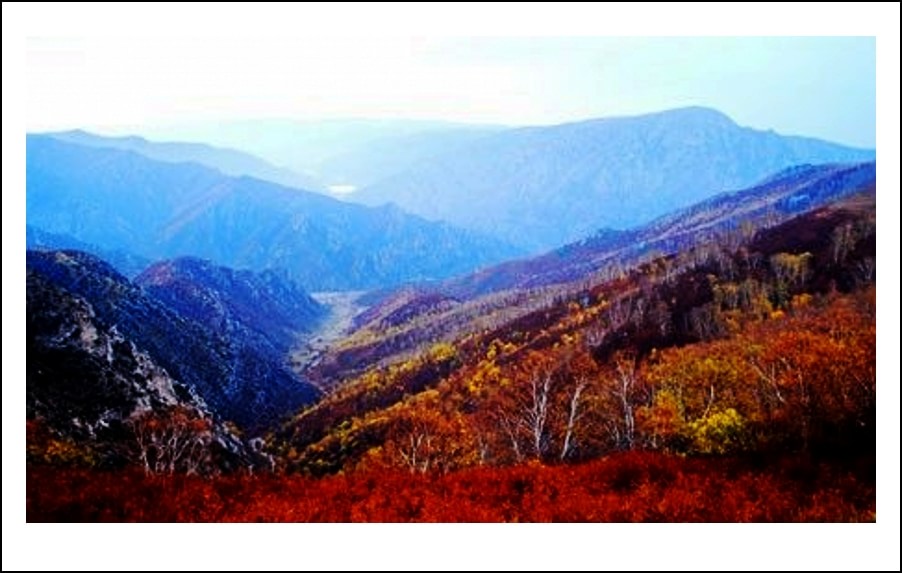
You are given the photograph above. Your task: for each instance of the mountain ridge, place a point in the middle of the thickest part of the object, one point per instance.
(541, 187)
(226, 160)
(242, 378)
(120, 200)
(790, 191)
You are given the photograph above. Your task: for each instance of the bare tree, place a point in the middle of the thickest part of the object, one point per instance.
(624, 382)
(510, 428)
(416, 449)
(842, 242)
(573, 416)
(535, 411)
(176, 440)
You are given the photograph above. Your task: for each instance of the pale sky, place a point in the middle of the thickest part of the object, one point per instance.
(821, 87)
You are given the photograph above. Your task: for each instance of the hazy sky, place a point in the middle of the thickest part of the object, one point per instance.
(822, 87)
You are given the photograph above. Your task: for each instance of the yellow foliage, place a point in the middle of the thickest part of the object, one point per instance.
(442, 352)
(800, 300)
(718, 433)
(663, 420)
(62, 451)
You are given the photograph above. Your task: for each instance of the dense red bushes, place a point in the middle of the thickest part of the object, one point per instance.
(626, 487)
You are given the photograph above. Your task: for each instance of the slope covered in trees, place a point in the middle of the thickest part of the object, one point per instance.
(734, 380)
(769, 347)
(412, 318)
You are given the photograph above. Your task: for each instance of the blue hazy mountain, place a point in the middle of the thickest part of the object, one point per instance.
(305, 146)
(197, 322)
(541, 187)
(120, 200)
(228, 161)
(792, 191)
(126, 263)
(378, 159)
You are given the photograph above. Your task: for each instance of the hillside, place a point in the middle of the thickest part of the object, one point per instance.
(90, 392)
(762, 347)
(271, 308)
(120, 200)
(401, 321)
(778, 197)
(542, 187)
(205, 341)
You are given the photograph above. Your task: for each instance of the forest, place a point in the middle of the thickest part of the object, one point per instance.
(734, 380)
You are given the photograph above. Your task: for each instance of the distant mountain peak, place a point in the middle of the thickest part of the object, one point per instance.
(689, 115)
(696, 111)
(697, 114)
(541, 187)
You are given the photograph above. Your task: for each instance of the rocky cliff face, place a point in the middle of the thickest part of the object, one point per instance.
(239, 374)
(90, 390)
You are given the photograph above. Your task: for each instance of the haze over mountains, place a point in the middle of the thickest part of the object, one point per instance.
(228, 161)
(332, 150)
(541, 187)
(120, 200)
(536, 188)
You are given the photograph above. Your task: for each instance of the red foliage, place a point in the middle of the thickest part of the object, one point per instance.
(635, 486)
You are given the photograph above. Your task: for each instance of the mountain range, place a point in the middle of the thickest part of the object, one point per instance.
(399, 321)
(119, 200)
(541, 187)
(228, 161)
(168, 291)
(790, 192)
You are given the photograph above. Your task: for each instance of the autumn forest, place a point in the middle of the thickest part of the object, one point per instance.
(731, 379)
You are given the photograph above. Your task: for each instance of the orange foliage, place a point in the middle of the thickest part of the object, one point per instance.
(803, 379)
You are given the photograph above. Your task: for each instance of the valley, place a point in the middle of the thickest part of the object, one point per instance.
(343, 308)
(591, 321)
